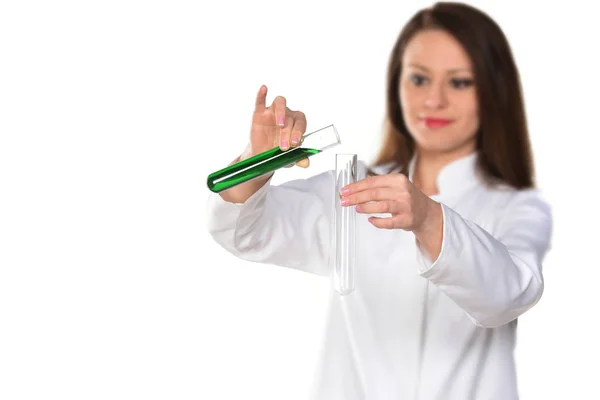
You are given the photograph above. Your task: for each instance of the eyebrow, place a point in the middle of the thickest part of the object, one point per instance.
(452, 71)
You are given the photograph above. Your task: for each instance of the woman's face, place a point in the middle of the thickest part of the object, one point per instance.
(438, 95)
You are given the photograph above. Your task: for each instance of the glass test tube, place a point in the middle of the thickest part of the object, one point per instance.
(344, 226)
(271, 160)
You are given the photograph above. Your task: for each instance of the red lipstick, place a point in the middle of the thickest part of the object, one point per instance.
(435, 123)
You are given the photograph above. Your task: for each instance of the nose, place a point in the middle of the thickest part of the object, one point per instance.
(436, 97)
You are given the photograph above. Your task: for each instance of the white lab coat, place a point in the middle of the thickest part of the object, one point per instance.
(413, 328)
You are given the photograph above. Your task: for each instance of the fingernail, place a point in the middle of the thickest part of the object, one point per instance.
(345, 191)
(345, 201)
(357, 208)
(284, 144)
(294, 139)
(281, 120)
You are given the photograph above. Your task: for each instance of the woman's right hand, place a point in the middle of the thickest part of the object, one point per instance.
(275, 125)
(272, 126)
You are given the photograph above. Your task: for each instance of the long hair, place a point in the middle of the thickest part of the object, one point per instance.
(504, 150)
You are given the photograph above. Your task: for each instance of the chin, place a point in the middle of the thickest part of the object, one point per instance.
(443, 145)
(433, 149)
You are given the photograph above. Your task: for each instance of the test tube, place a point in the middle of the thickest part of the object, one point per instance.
(344, 226)
(271, 160)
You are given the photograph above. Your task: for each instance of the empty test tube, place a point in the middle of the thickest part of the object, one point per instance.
(344, 226)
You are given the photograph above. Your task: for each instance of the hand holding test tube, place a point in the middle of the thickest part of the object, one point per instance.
(277, 140)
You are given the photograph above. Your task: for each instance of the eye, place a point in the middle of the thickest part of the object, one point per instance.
(417, 80)
(461, 83)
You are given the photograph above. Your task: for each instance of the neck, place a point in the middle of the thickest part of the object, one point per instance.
(428, 166)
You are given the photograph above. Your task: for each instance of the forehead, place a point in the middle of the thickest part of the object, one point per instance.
(436, 50)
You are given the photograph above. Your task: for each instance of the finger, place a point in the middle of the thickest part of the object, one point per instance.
(286, 132)
(261, 99)
(383, 223)
(363, 184)
(280, 108)
(299, 128)
(304, 163)
(380, 207)
(372, 194)
(389, 180)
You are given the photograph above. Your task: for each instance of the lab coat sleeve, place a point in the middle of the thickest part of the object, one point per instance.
(286, 225)
(494, 279)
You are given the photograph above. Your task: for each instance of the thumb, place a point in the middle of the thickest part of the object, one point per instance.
(304, 163)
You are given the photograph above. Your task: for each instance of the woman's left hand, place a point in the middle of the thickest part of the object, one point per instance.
(410, 208)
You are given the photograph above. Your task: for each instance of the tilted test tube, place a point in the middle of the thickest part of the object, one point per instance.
(271, 160)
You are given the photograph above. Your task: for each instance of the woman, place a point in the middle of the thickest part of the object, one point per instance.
(452, 231)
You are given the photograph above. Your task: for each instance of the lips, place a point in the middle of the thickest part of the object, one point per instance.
(435, 123)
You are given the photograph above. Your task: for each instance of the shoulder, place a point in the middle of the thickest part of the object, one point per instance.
(518, 210)
(501, 208)
(504, 197)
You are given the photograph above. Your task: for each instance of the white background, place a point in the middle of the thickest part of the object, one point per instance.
(112, 114)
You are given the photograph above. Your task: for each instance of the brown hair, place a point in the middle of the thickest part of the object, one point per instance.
(504, 152)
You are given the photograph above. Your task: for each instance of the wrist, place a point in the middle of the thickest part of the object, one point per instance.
(247, 153)
(240, 193)
(431, 228)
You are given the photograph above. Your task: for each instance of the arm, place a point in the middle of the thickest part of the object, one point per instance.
(286, 225)
(493, 279)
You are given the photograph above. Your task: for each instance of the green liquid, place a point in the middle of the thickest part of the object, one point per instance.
(256, 166)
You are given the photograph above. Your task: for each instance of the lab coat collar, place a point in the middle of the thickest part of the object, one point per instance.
(455, 177)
